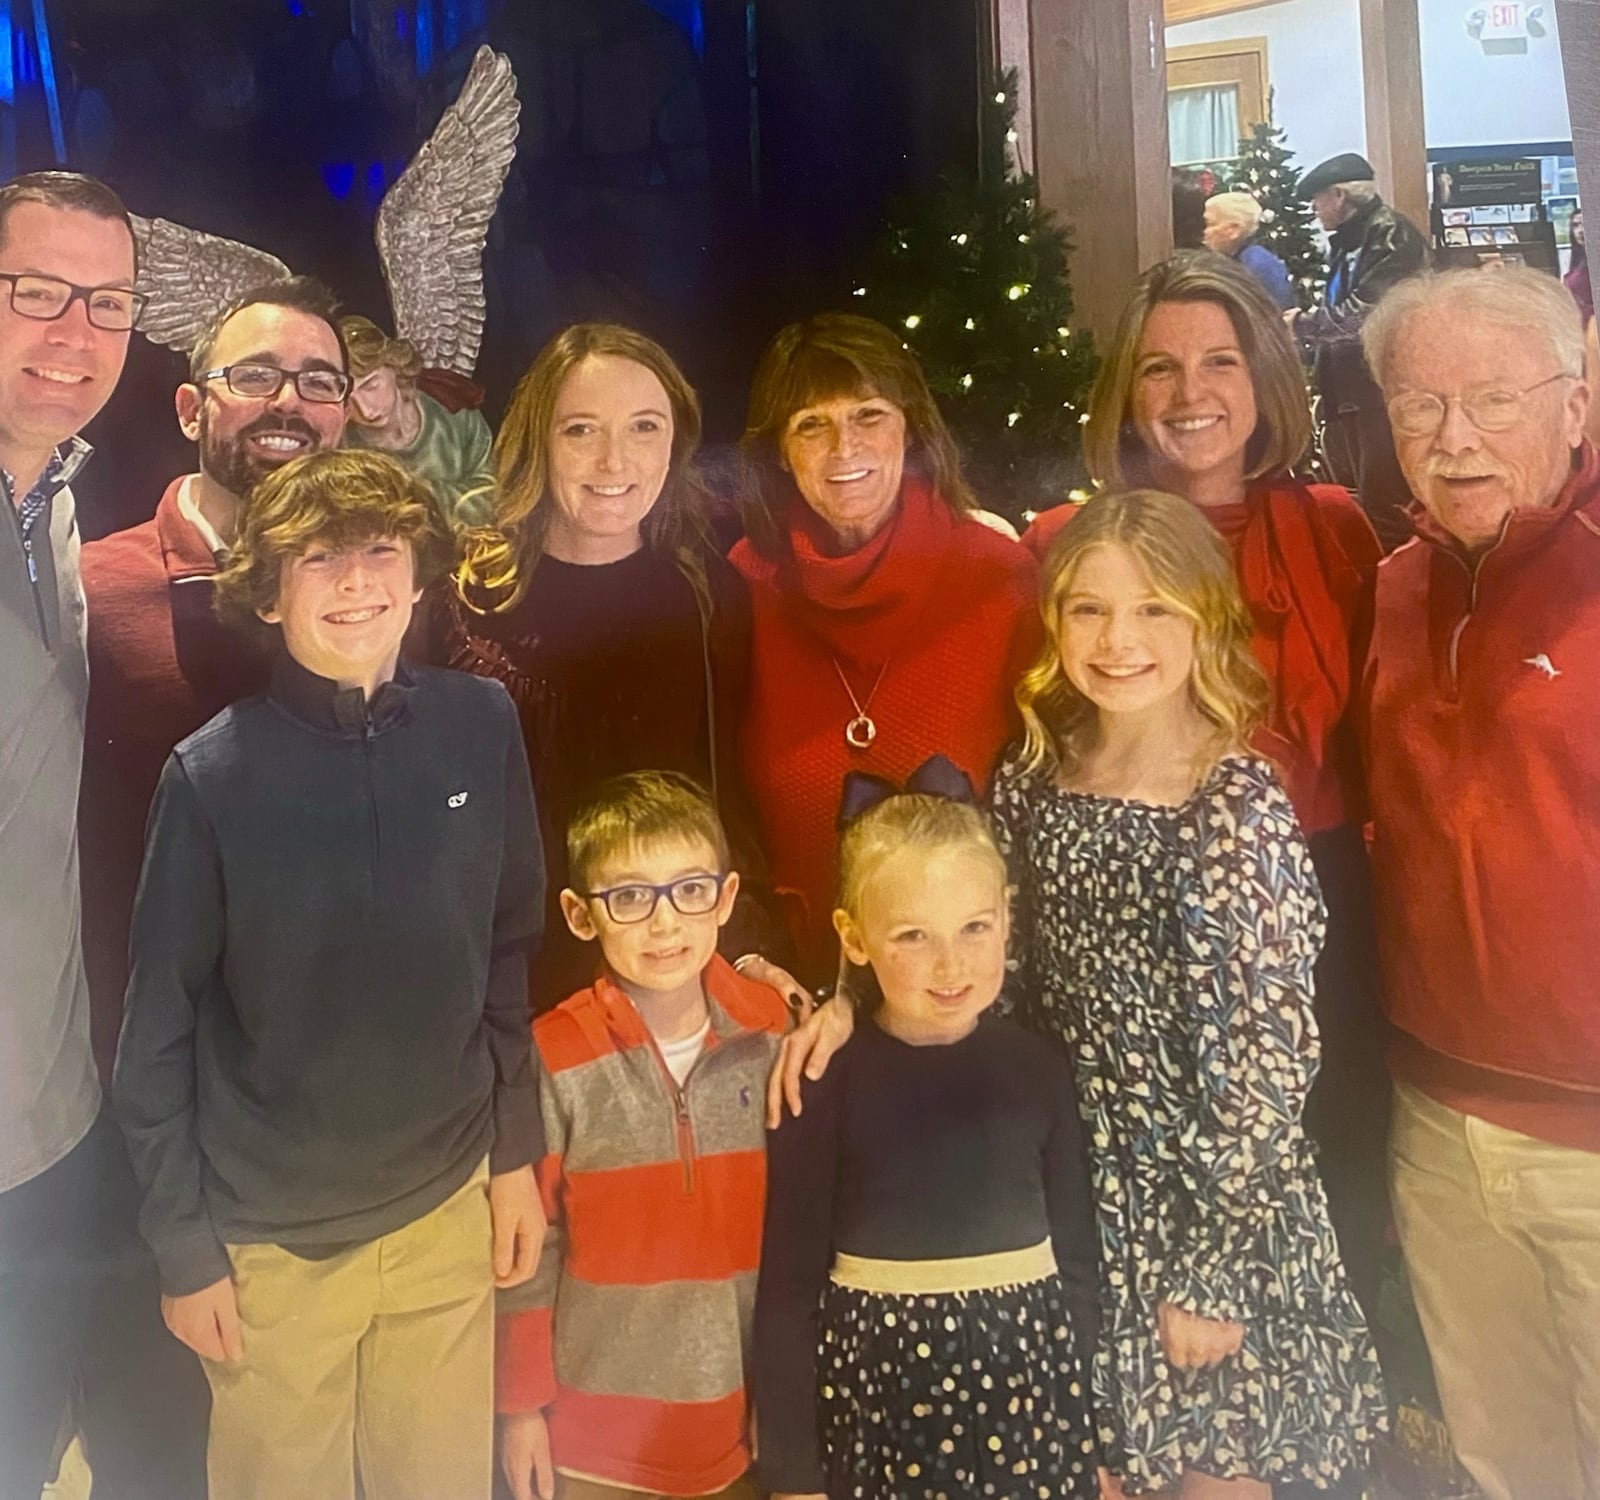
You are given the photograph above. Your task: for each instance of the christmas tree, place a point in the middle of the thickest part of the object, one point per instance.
(975, 274)
(1263, 170)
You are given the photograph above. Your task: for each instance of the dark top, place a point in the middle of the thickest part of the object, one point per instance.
(912, 1153)
(1373, 250)
(607, 664)
(327, 1019)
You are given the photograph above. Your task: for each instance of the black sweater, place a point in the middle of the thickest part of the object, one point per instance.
(608, 665)
(327, 1017)
(913, 1153)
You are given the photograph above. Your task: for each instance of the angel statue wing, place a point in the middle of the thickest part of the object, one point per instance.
(189, 277)
(433, 222)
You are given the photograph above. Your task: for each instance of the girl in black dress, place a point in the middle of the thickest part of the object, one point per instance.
(928, 1281)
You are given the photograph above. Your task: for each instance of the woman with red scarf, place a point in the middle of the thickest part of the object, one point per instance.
(888, 624)
(1202, 395)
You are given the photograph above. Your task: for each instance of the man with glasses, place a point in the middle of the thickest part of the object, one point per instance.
(77, 1290)
(1481, 708)
(267, 383)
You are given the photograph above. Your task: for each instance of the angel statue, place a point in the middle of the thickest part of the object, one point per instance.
(413, 395)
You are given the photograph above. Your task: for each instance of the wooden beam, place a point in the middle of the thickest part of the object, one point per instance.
(1178, 11)
(1391, 76)
(1100, 141)
(1578, 26)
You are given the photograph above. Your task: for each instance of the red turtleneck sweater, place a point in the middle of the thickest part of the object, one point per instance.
(934, 621)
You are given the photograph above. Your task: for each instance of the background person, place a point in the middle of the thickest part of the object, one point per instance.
(1231, 223)
(1371, 248)
(1479, 703)
(599, 600)
(887, 622)
(324, 1072)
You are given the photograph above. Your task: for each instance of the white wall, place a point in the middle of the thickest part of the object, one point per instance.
(1473, 99)
(1313, 69)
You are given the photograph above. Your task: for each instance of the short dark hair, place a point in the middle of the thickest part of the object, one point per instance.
(641, 808)
(303, 293)
(342, 496)
(65, 190)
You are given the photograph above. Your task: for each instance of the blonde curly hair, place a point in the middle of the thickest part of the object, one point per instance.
(1190, 570)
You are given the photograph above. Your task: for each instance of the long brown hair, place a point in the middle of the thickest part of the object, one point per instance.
(1112, 449)
(1191, 570)
(830, 355)
(499, 558)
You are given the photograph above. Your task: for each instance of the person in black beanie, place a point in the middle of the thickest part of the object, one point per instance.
(1370, 248)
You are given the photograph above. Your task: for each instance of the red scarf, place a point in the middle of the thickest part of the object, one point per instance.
(864, 606)
(1304, 592)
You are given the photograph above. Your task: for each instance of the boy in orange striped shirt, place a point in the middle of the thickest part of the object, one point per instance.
(621, 1367)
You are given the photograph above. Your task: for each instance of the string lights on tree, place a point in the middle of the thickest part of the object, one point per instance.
(974, 274)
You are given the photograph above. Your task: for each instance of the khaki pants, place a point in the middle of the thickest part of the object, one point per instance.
(568, 1488)
(1502, 1240)
(381, 1357)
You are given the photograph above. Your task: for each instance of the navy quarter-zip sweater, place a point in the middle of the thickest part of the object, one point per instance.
(327, 1022)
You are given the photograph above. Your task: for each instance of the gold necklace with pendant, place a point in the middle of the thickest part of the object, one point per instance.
(860, 732)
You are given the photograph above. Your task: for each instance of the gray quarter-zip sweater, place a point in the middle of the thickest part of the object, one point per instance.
(48, 1093)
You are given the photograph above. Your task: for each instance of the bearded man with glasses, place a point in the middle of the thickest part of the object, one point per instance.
(268, 382)
(1481, 708)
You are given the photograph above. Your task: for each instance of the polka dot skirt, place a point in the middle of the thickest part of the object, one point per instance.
(953, 1395)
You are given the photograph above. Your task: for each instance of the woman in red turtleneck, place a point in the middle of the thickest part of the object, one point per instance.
(888, 625)
(1203, 395)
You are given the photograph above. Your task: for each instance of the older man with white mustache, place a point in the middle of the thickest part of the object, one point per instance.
(1481, 699)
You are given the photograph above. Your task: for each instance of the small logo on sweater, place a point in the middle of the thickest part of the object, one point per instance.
(458, 799)
(1542, 663)
(744, 1098)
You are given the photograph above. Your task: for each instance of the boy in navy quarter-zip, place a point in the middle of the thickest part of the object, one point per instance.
(621, 1366)
(324, 1072)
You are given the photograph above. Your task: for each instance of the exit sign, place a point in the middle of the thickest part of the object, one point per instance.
(1504, 21)
(1506, 25)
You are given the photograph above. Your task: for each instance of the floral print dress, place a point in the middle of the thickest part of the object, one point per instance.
(1172, 948)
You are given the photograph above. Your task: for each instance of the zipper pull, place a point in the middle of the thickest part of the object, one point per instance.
(33, 567)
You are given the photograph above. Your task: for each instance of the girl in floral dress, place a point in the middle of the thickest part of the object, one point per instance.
(1169, 920)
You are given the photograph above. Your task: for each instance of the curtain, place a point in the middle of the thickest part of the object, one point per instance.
(1203, 123)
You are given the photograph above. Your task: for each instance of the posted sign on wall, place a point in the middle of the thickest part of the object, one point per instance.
(1506, 25)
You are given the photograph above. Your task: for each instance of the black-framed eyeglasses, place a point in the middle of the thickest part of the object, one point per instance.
(263, 382)
(1489, 408)
(691, 896)
(45, 298)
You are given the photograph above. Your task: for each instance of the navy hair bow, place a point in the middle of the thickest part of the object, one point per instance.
(935, 777)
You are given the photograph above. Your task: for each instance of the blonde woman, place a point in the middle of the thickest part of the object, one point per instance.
(1169, 919)
(598, 597)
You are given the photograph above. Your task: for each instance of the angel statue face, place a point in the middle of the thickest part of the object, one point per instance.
(610, 449)
(243, 437)
(56, 372)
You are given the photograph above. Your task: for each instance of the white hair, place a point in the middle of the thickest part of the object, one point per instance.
(1517, 299)
(1239, 208)
(1359, 193)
